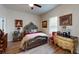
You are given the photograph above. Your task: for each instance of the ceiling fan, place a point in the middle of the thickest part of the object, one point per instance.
(32, 5)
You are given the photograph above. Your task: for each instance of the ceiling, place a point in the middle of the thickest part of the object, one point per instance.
(26, 8)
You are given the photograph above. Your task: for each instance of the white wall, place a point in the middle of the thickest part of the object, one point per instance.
(11, 15)
(3, 13)
(63, 10)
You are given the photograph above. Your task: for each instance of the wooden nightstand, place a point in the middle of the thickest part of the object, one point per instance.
(16, 36)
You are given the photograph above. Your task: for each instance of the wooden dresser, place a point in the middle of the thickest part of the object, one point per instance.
(3, 43)
(65, 43)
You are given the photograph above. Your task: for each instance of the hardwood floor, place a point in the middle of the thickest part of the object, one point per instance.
(13, 48)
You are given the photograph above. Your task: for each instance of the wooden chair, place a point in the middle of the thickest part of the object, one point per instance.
(52, 38)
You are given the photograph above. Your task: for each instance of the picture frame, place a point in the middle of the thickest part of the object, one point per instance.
(44, 24)
(66, 20)
(18, 23)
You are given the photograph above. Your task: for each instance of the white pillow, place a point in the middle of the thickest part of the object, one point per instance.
(34, 30)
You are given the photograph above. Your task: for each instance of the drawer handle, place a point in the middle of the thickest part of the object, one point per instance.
(1, 45)
(1, 49)
(1, 41)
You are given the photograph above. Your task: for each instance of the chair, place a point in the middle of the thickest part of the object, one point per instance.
(51, 39)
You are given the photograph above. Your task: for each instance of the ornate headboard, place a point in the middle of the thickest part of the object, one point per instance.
(28, 28)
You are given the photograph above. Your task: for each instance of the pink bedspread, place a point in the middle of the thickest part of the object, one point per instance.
(30, 36)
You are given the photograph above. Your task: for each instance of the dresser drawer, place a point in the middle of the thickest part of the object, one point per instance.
(65, 44)
(1, 41)
(68, 45)
(1, 49)
(60, 42)
(1, 45)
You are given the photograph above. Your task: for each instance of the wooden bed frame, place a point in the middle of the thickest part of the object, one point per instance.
(34, 44)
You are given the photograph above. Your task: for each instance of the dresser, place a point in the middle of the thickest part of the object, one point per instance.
(66, 43)
(3, 43)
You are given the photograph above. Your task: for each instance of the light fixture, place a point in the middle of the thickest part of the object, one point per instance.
(31, 5)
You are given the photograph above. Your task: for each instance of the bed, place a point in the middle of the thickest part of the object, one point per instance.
(32, 37)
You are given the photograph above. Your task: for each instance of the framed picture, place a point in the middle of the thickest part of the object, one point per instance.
(44, 24)
(18, 23)
(66, 20)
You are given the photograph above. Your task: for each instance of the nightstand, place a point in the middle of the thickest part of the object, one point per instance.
(16, 36)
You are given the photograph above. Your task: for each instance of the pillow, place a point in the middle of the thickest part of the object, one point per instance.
(31, 31)
(34, 30)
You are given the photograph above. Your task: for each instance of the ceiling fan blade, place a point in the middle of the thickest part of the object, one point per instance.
(37, 5)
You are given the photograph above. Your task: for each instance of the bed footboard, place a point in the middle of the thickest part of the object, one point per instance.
(34, 43)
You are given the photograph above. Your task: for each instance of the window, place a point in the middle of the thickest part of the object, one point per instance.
(2, 23)
(52, 25)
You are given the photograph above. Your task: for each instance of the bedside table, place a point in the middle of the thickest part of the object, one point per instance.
(16, 36)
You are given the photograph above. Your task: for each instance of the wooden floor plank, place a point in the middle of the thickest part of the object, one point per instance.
(14, 49)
